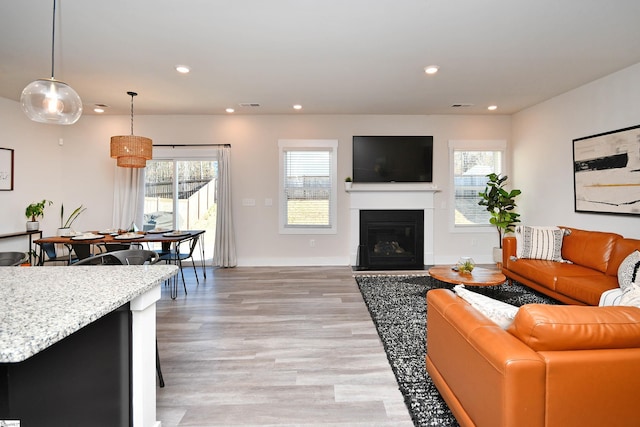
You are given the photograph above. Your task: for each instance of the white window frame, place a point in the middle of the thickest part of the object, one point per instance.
(308, 144)
(471, 145)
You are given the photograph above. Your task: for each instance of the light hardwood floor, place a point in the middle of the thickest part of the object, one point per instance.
(273, 347)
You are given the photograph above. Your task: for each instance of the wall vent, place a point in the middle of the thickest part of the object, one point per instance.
(461, 105)
(249, 104)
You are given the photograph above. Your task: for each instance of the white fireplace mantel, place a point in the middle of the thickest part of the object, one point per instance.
(419, 196)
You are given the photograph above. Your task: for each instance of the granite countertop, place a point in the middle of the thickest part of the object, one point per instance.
(39, 306)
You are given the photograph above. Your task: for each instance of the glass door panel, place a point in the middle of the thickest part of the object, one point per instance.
(181, 195)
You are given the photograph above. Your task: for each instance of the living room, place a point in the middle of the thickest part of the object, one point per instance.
(71, 164)
(537, 118)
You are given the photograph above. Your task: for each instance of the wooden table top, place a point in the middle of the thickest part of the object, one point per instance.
(107, 238)
(478, 277)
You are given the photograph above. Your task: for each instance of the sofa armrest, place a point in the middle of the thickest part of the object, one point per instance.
(509, 249)
(466, 352)
(555, 327)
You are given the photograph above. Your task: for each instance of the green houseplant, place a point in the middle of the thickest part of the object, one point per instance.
(35, 211)
(347, 183)
(501, 204)
(65, 225)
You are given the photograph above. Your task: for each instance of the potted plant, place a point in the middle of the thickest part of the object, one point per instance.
(65, 225)
(35, 211)
(347, 183)
(501, 204)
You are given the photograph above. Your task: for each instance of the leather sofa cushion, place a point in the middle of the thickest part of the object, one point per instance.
(546, 273)
(622, 248)
(589, 248)
(587, 289)
(555, 327)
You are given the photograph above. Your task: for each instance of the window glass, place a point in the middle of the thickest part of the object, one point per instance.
(181, 195)
(471, 163)
(307, 186)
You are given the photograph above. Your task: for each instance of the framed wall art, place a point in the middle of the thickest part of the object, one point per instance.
(606, 172)
(6, 169)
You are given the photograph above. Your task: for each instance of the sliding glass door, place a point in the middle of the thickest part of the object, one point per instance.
(181, 195)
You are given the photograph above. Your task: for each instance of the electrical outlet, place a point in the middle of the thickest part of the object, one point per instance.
(312, 243)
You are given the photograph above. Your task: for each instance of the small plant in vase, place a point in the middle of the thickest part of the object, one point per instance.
(65, 225)
(465, 265)
(35, 211)
(347, 183)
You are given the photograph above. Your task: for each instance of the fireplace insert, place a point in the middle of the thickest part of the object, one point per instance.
(391, 239)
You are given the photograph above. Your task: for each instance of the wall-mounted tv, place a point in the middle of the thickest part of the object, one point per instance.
(392, 158)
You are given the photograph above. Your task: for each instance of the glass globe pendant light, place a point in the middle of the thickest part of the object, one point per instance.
(50, 100)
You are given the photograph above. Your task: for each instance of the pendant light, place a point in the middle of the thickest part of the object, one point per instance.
(130, 150)
(50, 100)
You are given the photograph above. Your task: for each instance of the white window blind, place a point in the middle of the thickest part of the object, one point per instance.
(471, 162)
(307, 186)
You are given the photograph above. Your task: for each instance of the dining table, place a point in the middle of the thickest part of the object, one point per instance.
(167, 238)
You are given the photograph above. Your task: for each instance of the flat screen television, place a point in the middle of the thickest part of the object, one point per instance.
(392, 158)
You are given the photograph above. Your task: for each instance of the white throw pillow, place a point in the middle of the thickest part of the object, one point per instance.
(498, 312)
(539, 243)
(626, 270)
(631, 296)
(611, 297)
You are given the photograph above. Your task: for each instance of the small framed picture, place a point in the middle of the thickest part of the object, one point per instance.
(6, 169)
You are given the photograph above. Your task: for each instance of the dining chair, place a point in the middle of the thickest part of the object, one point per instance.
(136, 256)
(106, 258)
(52, 254)
(176, 257)
(113, 247)
(12, 258)
(128, 257)
(82, 250)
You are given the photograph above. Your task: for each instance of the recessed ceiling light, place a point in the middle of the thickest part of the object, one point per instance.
(297, 107)
(230, 110)
(431, 69)
(492, 107)
(183, 69)
(100, 108)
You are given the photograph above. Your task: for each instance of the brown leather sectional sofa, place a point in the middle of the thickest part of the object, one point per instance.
(556, 366)
(594, 255)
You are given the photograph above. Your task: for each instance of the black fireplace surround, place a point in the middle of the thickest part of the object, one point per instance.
(391, 240)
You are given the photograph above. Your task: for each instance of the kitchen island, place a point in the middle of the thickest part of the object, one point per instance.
(77, 344)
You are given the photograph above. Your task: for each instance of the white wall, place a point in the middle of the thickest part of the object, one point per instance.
(542, 150)
(80, 171)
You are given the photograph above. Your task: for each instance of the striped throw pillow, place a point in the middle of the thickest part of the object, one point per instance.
(539, 243)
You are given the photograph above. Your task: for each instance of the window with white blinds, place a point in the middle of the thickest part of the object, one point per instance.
(307, 186)
(471, 162)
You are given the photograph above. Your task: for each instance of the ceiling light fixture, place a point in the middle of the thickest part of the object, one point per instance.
(50, 100)
(431, 69)
(297, 107)
(492, 107)
(230, 110)
(130, 150)
(183, 69)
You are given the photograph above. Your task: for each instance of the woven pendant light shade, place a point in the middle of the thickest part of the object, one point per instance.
(130, 150)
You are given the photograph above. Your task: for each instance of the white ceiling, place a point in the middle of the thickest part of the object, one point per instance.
(330, 56)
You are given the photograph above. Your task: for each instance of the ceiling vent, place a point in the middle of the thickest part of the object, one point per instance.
(249, 104)
(461, 105)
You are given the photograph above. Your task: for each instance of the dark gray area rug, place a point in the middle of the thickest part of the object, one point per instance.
(398, 308)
